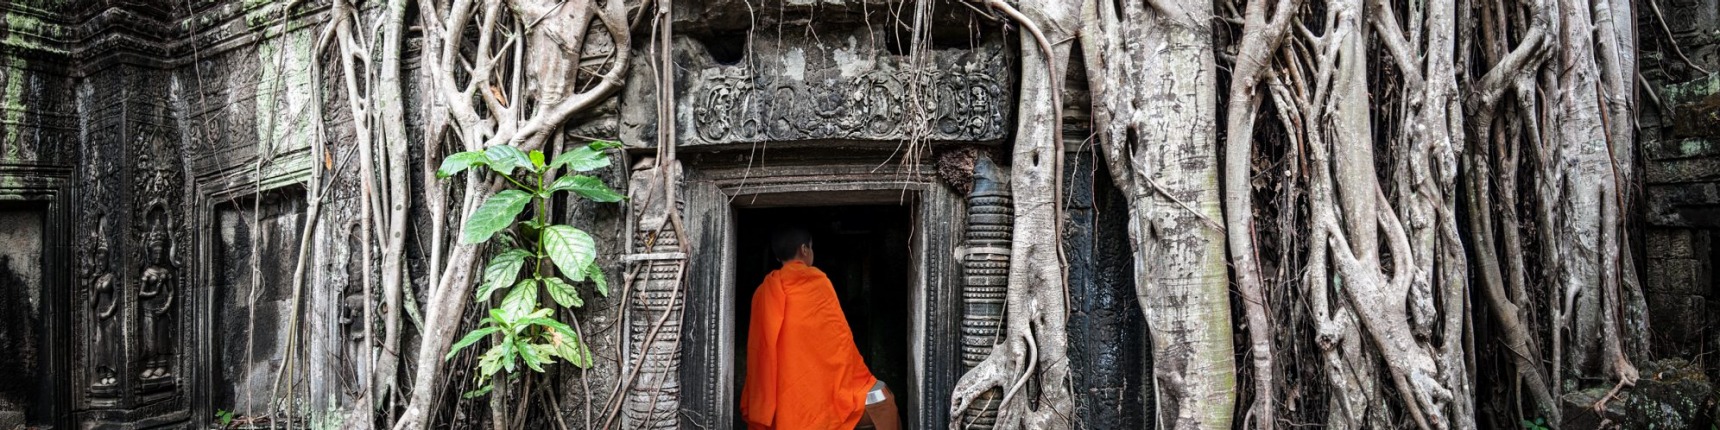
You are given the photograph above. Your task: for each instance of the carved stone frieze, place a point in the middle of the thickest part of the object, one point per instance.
(841, 88)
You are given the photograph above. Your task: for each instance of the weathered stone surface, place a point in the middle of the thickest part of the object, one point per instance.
(843, 85)
(1683, 170)
(21, 330)
(1684, 276)
(1671, 394)
(1695, 107)
(1671, 242)
(1107, 333)
(1680, 148)
(1684, 204)
(1679, 318)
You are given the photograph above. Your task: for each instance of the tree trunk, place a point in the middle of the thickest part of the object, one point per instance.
(1034, 346)
(1152, 77)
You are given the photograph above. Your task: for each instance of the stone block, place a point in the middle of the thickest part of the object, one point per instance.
(1685, 169)
(836, 87)
(1682, 204)
(1695, 106)
(1681, 148)
(1680, 276)
(1677, 319)
(1668, 243)
(1669, 394)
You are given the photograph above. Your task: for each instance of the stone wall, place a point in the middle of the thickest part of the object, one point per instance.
(1680, 147)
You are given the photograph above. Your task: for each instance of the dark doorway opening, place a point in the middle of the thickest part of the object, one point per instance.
(26, 395)
(866, 251)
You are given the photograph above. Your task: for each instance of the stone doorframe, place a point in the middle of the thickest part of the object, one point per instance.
(51, 186)
(208, 192)
(714, 192)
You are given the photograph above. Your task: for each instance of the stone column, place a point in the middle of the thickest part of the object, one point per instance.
(656, 303)
(985, 275)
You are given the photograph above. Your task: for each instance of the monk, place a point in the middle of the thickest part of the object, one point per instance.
(803, 370)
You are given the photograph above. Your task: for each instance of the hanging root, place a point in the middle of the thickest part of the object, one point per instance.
(999, 371)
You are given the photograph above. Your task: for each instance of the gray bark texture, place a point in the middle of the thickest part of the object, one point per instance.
(1033, 348)
(1152, 74)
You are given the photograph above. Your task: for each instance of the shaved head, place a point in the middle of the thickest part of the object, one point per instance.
(786, 241)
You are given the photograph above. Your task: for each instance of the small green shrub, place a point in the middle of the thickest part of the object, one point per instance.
(530, 334)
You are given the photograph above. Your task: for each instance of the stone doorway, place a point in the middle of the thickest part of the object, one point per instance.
(724, 190)
(24, 396)
(866, 252)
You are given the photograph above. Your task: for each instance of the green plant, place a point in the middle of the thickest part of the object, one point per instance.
(223, 416)
(529, 333)
(1538, 424)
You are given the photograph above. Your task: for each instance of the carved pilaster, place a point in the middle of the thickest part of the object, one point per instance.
(105, 338)
(158, 279)
(654, 396)
(985, 274)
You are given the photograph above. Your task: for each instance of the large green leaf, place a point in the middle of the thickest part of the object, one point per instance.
(585, 158)
(510, 354)
(569, 248)
(502, 271)
(492, 359)
(563, 293)
(575, 350)
(494, 215)
(504, 159)
(595, 273)
(537, 159)
(587, 187)
(568, 347)
(522, 299)
(470, 339)
(549, 323)
(459, 162)
(529, 355)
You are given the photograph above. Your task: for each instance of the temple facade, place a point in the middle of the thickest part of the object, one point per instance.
(180, 238)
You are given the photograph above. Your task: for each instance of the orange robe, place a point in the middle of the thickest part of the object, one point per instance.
(803, 370)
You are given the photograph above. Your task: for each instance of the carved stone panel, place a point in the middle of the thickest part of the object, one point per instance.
(157, 229)
(843, 86)
(106, 336)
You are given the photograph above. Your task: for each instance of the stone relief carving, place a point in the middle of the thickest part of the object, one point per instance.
(105, 336)
(158, 280)
(985, 274)
(156, 297)
(878, 104)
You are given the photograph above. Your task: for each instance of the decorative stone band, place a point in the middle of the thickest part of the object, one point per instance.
(875, 105)
(841, 86)
(653, 256)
